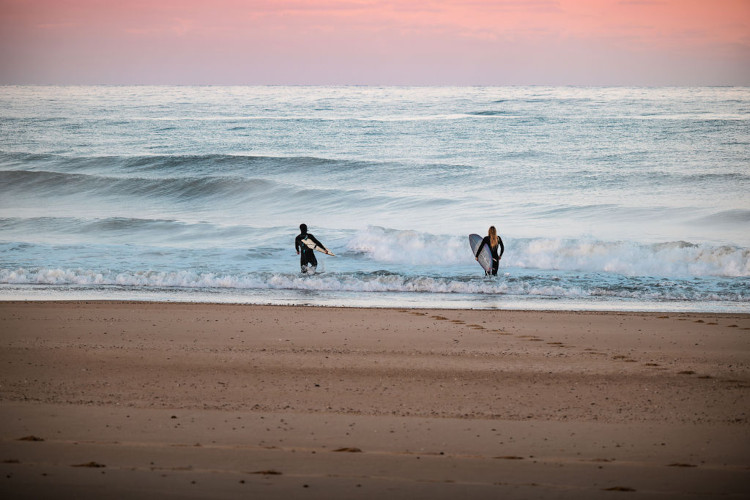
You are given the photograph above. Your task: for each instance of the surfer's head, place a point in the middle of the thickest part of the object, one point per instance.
(303, 228)
(492, 233)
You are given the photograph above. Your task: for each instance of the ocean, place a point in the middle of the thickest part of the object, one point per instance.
(605, 198)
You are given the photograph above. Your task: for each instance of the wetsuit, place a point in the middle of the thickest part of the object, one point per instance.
(306, 254)
(493, 251)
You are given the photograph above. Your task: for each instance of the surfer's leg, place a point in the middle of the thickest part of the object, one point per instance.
(308, 260)
(312, 260)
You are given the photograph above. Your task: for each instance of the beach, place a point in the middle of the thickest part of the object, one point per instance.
(174, 400)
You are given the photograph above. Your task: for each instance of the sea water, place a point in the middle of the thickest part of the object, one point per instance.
(605, 198)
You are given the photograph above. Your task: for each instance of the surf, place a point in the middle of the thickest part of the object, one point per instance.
(608, 196)
(676, 258)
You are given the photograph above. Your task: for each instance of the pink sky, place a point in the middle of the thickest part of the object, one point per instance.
(422, 42)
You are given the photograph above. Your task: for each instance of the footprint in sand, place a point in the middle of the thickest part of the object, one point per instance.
(31, 438)
(90, 464)
(624, 358)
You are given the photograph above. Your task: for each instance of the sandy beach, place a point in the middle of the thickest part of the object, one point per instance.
(168, 400)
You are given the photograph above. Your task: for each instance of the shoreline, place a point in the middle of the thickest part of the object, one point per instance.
(418, 306)
(215, 400)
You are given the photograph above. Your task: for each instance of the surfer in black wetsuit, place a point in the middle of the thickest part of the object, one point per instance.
(493, 241)
(307, 255)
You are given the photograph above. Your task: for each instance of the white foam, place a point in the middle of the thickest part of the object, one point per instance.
(631, 259)
(410, 247)
(627, 258)
(532, 286)
(324, 282)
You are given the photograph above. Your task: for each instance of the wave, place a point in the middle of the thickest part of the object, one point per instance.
(131, 231)
(191, 170)
(216, 168)
(627, 258)
(185, 189)
(551, 99)
(632, 259)
(167, 165)
(171, 166)
(377, 282)
(492, 112)
(737, 216)
(222, 184)
(386, 248)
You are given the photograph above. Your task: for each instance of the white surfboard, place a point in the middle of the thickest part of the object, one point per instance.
(485, 256)
(311, 244)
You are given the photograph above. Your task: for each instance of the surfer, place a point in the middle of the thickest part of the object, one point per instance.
(493, 241)
(307, 256)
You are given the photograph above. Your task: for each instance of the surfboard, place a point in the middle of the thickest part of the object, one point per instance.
(311, 244)
(485, 256)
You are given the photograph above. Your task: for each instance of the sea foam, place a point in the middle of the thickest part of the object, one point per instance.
(621, 257)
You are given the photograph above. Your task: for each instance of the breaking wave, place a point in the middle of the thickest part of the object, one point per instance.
(378, 282)
(677, 258)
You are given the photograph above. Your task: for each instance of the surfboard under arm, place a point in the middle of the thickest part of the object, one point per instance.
(485, 256)
(311, 244)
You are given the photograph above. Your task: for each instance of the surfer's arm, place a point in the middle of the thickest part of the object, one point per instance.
(297, 244)
(502, 248)
(485, 240)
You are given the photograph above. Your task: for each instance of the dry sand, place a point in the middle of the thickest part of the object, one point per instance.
(114, 400)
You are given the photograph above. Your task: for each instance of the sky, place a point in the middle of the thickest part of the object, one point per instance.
(376, 42)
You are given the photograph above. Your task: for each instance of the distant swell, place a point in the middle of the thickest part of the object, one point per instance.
(491, 112)
(185, 189)
(737, 216)
(172, 165)
(235, 187)
(128, 231)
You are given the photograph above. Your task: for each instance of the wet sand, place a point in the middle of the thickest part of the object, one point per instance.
(212, 401)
